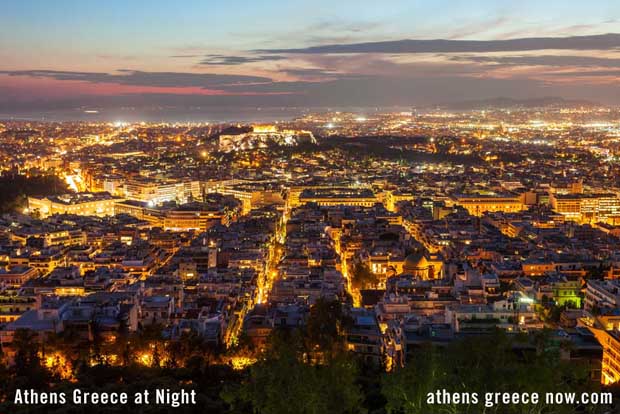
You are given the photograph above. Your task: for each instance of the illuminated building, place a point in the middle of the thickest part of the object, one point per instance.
(385, 263)
(292, 199)
(251, 196)
(141, 260)
(509, 314)
(188, 269)
(156, 309)
(567, 292)
(613, 230)
(62, 281)
(12, 307)
(338, 196)
(602, 294)
(478, 204)
(440, 210)
(419, 265)
(244, 196)
(537, 267)
(140, 210)
(190, 216)
(113, 185)
(364, 336)
(587, 208)
(156, 192)
(15, 276)
(543, 267)
(43, 318)
(575, 187)
(610, 367)
(69, 291)
(46, 261)
(83, 204)
(394, 197)
(60, 237)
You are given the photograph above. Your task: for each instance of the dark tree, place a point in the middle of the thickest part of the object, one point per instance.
(362, 277)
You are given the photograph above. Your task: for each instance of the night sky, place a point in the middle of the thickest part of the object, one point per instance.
(57, 54)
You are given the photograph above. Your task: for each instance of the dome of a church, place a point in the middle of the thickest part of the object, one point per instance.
(415, 261)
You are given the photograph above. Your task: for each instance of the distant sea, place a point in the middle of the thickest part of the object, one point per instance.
(175, 114)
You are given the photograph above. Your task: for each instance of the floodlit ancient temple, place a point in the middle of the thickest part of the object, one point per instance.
(262, 136)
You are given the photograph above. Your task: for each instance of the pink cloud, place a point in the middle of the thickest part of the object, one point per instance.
(26, 86)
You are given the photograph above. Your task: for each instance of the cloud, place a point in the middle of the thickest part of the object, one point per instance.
(238, 60)
(589, 73)
(542, 60)
(477, 28)
(337, 25)
(610, 41)
(141, 78)
(406, 72)
(303, 72)
(367, 91)
(314, 74)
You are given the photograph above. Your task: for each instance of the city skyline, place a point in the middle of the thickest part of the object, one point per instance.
(298, 207)
(297, 54)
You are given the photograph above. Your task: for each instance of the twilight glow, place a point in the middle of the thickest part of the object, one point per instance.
(296, 53)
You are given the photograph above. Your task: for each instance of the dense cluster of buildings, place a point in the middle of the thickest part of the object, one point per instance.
(229, 232)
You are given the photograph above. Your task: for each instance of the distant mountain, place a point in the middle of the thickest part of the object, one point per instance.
(503, 102)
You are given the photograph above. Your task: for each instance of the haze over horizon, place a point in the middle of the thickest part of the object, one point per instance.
(68, 54)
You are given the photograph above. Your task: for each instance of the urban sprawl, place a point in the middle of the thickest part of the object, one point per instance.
(423, 226)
